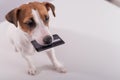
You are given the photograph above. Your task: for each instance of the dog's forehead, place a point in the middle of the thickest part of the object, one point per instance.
(26, 9)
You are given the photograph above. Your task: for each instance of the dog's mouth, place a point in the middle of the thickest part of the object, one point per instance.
(45, 41)
(56, 41)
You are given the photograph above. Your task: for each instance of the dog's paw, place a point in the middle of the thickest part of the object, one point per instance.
(60, 68)
(32, 71)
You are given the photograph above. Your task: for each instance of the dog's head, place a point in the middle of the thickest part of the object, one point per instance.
(33, 19)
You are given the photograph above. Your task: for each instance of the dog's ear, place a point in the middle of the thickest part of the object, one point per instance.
(12, 16)
(48, 6)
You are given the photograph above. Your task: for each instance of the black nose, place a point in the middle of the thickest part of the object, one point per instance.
(47, 39)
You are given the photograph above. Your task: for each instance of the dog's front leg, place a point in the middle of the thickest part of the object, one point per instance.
(58, 66)
(31, 67)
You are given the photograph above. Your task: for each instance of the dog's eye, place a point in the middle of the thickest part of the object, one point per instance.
(46, 18)
(31, 23)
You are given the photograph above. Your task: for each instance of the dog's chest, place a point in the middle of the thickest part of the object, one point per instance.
(20, 41)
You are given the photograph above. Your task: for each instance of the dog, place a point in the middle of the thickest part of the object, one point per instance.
(31, 22)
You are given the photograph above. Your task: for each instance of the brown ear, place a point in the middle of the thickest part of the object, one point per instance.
(48, 6)
(12, 16)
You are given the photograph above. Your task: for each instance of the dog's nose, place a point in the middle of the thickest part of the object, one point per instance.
(47, 39)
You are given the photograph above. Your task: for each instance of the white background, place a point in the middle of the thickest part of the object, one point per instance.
(91, 30)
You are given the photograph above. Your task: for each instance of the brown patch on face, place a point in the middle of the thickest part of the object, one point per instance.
(25, 16)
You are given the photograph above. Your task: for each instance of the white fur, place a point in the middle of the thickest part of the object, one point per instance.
(41, 30)
(22, 43)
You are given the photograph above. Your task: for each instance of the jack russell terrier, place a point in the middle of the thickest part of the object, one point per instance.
(31, 22)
